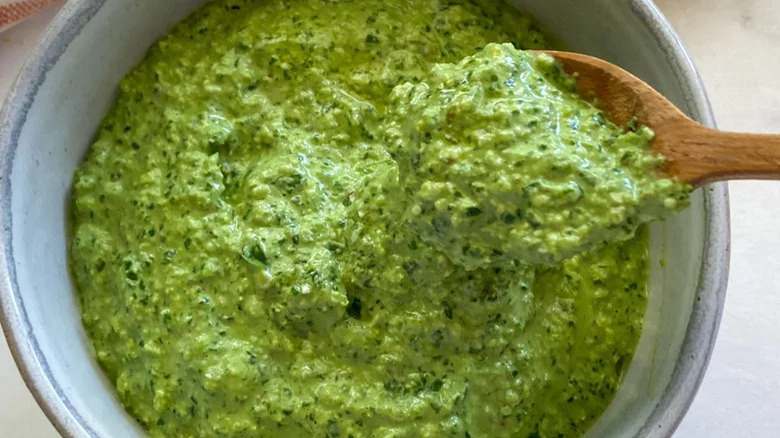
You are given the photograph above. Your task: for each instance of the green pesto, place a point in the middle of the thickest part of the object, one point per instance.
(503, 161)
(244, 269)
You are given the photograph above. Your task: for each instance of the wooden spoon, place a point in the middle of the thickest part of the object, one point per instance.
(694, 153)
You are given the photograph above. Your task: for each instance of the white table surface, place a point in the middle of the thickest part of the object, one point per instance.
(736, 45)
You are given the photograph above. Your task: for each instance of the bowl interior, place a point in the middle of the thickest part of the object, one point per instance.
(77, 91)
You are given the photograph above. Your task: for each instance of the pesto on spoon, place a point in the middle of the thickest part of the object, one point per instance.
(503, 162)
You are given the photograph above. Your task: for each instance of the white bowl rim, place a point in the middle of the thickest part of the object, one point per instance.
(702, 327)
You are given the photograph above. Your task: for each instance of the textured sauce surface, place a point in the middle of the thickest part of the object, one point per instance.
(243, 271)
(503, 162)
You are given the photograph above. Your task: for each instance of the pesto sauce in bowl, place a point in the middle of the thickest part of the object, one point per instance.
(243, 263)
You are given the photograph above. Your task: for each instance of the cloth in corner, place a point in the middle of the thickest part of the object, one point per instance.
(14, 11)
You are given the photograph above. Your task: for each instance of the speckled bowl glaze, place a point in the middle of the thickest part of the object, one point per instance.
(68, 83)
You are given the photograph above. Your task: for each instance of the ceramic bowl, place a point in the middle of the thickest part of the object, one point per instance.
(70, 80)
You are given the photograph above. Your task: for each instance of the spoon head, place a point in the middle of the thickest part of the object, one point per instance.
(621, 95)
(624, 97)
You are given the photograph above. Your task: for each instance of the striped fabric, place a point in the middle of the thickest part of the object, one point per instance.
(14, 11)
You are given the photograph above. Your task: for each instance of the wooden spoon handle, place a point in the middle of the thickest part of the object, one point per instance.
(694, 153)
(701, 155)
